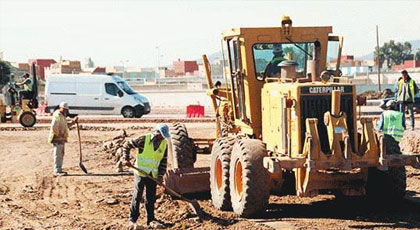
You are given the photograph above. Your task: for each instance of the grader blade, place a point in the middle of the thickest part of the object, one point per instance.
(188, 180)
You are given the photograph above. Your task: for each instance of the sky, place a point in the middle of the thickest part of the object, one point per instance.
(136, 33)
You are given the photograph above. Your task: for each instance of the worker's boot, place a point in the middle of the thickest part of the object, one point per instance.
(156, 225)
(62, 173)
(132, 226)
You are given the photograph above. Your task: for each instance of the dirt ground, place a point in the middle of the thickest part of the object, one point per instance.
(31, 198)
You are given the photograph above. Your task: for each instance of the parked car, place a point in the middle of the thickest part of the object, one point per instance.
(94, 94)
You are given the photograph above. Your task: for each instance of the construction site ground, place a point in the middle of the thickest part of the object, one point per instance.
(31, 198)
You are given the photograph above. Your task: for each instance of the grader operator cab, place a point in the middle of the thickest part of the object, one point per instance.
(285, 119)
(17, 108)
(286, 123)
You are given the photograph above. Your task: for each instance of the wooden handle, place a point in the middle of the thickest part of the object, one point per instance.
(159, 183)
(80, 141)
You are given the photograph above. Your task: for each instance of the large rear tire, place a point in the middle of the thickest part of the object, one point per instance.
(182, 146)
(249, 180)
(27, 119)
(387, 185)
(219, 172)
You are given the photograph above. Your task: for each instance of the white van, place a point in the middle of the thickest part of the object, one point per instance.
(94, 94)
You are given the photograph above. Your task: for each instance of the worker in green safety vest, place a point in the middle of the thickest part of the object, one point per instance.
(27, 84)
(406, 91)
(273, 69)
(392, 121)
(151, 158)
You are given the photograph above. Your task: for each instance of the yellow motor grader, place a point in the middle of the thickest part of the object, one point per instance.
(17, 108)
(286, 122)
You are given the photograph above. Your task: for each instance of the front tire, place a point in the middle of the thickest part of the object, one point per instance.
(219, 172)
(27, 119)
(387, 185)
(127, 112)
(249, 180)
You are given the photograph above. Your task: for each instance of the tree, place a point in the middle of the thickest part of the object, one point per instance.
(417, 56)
(394, 53)
(4, 73)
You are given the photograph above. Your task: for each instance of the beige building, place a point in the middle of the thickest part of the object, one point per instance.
(65, 66)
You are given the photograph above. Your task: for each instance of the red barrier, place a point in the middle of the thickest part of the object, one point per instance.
(195, 111)
(41, 109)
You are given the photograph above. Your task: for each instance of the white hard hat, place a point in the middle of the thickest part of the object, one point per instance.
(64, 105)
(164, 130)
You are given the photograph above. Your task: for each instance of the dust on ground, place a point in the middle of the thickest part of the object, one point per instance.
(31, 198)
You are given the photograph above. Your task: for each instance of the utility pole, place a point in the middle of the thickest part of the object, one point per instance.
(158, 57)
(377, 58)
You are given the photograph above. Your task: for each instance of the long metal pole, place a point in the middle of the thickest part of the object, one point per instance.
(377, 58)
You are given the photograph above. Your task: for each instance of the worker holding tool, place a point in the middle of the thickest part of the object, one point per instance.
(406, 91)
(151, 158)
(392, 121)
(59, 133)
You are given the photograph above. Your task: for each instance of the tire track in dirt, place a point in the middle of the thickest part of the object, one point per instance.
(79, 194)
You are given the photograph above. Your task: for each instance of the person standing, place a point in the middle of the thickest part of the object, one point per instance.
(59, 133)
(151, 158)
(406, 92)
(392, 122)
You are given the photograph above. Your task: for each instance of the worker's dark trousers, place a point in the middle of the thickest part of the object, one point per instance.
(25, 94)
(139, 184)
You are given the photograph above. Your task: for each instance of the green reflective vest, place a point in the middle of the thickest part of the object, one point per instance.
(410, 86)
(393, 124)
(28, 86)
(149, 160)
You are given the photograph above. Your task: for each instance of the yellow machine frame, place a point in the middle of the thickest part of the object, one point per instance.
(247, 106)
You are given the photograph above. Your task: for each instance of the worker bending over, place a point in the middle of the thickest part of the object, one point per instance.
(392, 121)
(151, 158)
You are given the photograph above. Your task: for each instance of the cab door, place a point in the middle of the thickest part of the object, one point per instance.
(237, 79)
(111, 98)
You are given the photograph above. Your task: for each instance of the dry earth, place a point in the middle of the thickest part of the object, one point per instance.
(31, 198)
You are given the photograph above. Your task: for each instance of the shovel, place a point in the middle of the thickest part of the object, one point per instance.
(80, 150)
(193, 203)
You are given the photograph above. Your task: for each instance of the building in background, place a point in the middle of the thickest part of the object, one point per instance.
(350, 66)
(89, 63)
(164, 72)
(99, 70)
(119, 70)
(408, 64)
(65, 66)
(182, 68)
(40, 65)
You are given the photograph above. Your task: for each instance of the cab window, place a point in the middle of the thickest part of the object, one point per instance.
(268, 56)
(112, 89)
